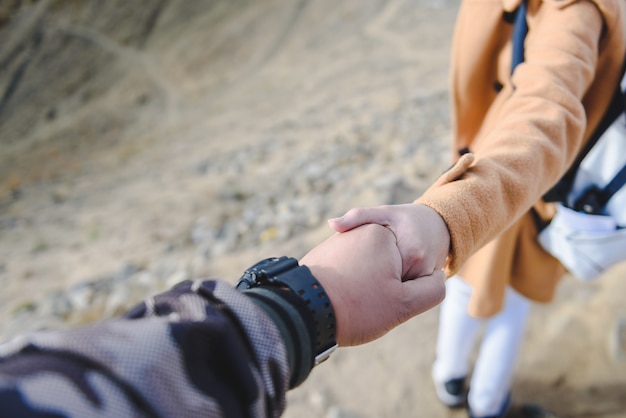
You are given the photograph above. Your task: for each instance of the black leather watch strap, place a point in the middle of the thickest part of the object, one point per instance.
(285, 272)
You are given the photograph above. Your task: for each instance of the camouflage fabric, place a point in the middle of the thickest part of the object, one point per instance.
(201, 349)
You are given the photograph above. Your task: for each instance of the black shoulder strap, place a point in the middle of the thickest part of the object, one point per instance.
(618, 105)
(560, 191)
(520, 29)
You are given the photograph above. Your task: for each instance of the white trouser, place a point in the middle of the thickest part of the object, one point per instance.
(493, 371)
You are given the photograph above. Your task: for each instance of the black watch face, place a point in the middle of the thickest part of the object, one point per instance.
(255, 275)
(267, 271)
(263, 263)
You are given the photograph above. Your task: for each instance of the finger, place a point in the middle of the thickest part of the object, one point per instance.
(357, 217)
(424, 293)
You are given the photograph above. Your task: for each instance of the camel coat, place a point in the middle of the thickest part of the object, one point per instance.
(523, 131)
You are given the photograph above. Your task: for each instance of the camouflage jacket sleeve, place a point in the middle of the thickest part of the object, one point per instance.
(201, 349)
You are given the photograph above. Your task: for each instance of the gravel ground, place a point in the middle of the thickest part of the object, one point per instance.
(145, 144)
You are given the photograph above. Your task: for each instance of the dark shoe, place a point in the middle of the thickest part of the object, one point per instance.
(451, 393)
(535, 411)
(506, 406)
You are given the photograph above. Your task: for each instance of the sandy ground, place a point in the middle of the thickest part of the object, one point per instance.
(138, 122)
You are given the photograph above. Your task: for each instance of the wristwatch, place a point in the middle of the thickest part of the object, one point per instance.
(285, 272)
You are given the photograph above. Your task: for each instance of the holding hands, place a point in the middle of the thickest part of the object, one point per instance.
(422, 235)
(368, 271)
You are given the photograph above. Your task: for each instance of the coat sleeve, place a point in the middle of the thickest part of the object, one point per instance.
(531, 132)
(201, 349)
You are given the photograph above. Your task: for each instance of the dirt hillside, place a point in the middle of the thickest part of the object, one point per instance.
(142, 143)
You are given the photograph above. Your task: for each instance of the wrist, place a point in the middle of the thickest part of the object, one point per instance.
(440, 229)
(299, 305)
(290, 319)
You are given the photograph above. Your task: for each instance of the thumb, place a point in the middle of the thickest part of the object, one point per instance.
(357, 217)
(424, 293)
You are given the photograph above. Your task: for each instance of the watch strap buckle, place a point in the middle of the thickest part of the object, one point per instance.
(325, 355)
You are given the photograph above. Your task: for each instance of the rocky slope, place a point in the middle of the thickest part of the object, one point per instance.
(142, 143)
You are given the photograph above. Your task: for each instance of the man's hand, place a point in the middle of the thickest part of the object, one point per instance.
(361, 271)
(422, 235)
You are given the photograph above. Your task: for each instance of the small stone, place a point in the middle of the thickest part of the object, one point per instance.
(317, 400)
(268, 234)
(201, 232)
(25, 308)
(116, 302)
(60, 195)
(177, 277)
(80, 296)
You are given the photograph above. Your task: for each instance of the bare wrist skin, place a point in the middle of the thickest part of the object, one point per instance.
(441, 231)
